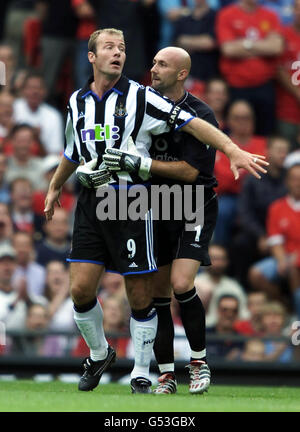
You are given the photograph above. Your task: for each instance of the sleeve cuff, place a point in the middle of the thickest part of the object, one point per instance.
(71, 160)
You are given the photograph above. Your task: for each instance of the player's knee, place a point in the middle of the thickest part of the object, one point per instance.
(80, 294)
(181, 284)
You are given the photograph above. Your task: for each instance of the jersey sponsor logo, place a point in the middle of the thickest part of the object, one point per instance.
(166, 157)
(120, 111)
(100, 133)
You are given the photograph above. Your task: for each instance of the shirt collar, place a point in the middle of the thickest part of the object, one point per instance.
(119, 88)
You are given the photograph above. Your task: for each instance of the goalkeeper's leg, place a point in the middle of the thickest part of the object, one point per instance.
(193, 319)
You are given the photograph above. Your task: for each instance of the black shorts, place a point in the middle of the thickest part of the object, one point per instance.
(174, 241)
(122, 246)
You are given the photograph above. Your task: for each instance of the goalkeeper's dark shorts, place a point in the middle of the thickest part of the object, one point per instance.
(122, 246)
(174, 241)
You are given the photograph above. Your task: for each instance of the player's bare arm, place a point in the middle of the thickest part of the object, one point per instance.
(62, 173)
(177, 170)
(239, 158)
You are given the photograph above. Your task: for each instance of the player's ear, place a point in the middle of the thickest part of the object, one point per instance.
(91, 56)
(182, 75)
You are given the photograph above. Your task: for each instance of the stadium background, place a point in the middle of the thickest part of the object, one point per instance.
(43, 45)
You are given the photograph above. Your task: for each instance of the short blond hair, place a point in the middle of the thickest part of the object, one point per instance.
(273, 307)
(92, 44)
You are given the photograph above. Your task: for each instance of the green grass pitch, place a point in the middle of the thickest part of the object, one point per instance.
(31, 396)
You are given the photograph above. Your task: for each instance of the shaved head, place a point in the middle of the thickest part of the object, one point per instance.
(177, 56)
(171, 67)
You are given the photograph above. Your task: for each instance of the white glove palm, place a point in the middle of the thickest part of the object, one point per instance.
(91, 178)
(130, 161)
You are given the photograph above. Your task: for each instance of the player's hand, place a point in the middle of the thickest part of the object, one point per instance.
(130, 161)
(91, 178)
(52, 198)
(253, 163)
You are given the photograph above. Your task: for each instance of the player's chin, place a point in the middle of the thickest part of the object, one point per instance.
(155, 84)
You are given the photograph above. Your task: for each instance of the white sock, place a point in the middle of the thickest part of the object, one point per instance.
(143, 335)
(90, 324)
(166, 367)
(198, 354)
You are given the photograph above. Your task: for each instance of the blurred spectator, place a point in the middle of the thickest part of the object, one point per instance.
(282, 8)
(56, 244)
(288, 87)
(170, 11)
(4, 6)
(59, 26)
(252, 326)
(6, 115)
(217, 97)
(293, 158)
(250, 42)
(22, 214)
(241, 124)
(195, 33)
(26, 268)
(254, 200)
(12, 304)
(273, 322)
(4, 187)
(283, 228)
(17, 13)
(45, 119)
(36, 322)
(14, 299)
(212, 284)
(112, 284)
(86, 26)
(60, 306)
(8, 57)
(21, 163)
(6, 224)
(116, 320)
(67, 198)
(254, 351)
(227, 313)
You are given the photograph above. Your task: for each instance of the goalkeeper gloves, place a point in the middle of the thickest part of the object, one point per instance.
(130, 161)
(91, 178)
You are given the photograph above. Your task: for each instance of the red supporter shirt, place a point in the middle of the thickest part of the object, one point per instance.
(234, 23)
(283, 225)
(223, 173)
(288, 109)
(245, 328)
(66, 199)
(86, 26)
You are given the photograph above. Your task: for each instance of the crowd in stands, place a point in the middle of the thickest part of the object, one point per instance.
(246, 66)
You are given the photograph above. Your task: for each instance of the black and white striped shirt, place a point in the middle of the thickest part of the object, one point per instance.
(127, 109)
